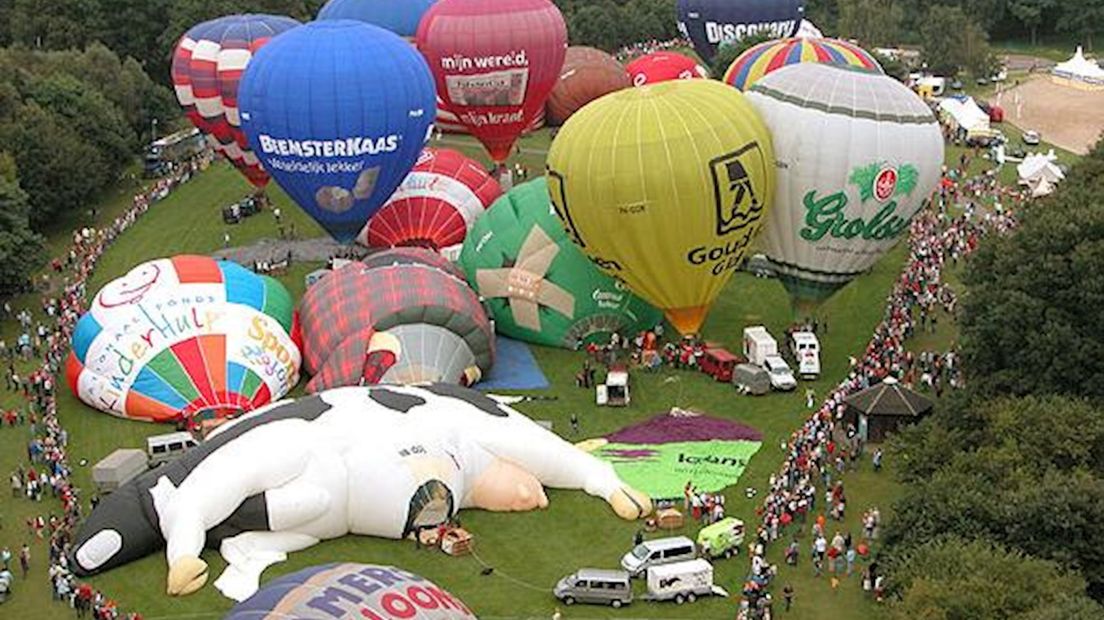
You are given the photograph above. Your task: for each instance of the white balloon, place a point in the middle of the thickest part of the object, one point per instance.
(857, 154)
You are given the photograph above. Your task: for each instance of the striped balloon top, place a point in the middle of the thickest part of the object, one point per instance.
(764, 58)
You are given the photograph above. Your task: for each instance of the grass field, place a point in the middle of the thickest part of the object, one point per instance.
(529, 551)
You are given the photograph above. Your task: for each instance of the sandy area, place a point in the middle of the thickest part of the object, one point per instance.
(1065, 116)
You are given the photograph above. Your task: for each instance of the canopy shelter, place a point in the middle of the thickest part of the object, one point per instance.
(1040, 173)
(1079, 72)
(883, 408)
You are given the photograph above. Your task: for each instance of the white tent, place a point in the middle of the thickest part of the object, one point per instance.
(1079, 72)
(1041, 187)
(965, 114)
(1038, 169)
(809, 31)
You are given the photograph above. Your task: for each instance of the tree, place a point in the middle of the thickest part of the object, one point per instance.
(727, 53)
(1030, 14)
(1031, 321)
(21, 250)
(953, 42)
(598, 25)
(54, 24)
(1082, 18)
(58, 170)
(89, 114)
(952, 578)
(870, 22)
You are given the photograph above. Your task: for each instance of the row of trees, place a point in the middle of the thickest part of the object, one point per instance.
(892, 21)
(1004, 485)
(70, 122)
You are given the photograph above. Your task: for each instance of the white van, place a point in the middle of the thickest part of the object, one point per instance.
(806, 352)
(656, 552)
(682, 582)
(164, 448)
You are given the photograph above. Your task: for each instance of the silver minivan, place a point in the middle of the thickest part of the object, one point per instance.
(659, 551)
(593, 585)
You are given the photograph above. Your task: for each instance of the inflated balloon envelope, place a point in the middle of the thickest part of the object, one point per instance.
(338, 112)
(712, 23)
(347, 590)
(858, 153)
(664, 187)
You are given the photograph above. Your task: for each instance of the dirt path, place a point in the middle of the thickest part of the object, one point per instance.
(1065, 116)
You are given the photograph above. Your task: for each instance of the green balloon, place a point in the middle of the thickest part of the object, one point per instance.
(538, 285)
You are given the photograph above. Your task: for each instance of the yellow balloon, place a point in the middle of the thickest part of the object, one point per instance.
(664, 187)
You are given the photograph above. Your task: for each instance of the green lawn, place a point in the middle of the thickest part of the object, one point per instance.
(529, 551)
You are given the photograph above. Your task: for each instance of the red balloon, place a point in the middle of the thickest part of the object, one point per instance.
(436, 204)
(664, 66)
(495, 62)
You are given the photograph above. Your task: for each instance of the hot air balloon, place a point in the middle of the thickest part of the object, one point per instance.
(338, 111)
(207, 66)
(663, 66)
(436, 204)
(448, 122)
(761, 59)
(587, 74)
(857, 155)
(400, 17)
(495, 62)
(538, 286)
(710, 23)
(349, 590)
(404, 315)
(664, 187)
(184, 336)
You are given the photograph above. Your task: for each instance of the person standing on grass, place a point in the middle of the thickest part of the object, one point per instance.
(25, 559)
(878, 460)
(556, 615)
(787, 596)
(575, 424)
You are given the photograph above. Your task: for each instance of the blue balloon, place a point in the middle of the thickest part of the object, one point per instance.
(709, 23)
(398, 16)
(337, 112)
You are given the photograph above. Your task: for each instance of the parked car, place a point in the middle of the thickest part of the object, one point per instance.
(781, 377)
(718, 362)
(1032, 138)
(656, 552)
(595, 586)
(751, 379)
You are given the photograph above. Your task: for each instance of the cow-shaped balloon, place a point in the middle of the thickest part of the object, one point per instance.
(378, 461)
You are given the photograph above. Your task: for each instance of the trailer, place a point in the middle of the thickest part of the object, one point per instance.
(682, 582)
(116, 468)
(759, 345)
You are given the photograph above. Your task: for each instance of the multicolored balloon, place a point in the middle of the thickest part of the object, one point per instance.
(185, 336)
(663, 66)
(711, 23)
(404, 316)
(537, 284)
(435, 206)
(763, 58)
(858, 153)
(338, 111)
(664, 187)
(399, 17)
(207, 66)
(587, 74)
(495, 62)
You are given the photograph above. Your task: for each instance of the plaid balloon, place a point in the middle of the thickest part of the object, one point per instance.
(412, 293)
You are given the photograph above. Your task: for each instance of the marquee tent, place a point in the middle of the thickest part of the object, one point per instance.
(1079, 72)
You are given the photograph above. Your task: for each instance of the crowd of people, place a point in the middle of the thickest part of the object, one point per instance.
(34, 364)
(643, 48)
(824, 448)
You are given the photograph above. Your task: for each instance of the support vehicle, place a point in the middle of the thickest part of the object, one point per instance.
(751, 379)
(656, 552)
(721, 539)
(718, 362)
(615, 391)
(781, 377)
(595, 586)
(806, 352)
(682, 582)
(758, 345)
